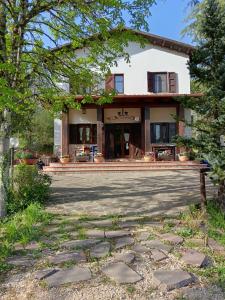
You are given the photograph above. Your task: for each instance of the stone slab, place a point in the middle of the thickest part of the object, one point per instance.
(100, 223)
(215, 246)
(121, 273)
(126, 257)
(194, 258)
(140, 249)
(80, 244)
(172, 238)
(157, 244)
(123, 242)
(21, 261)
(172, 279)
(129, 224)
(157, 255)
(42, 274)
(65, 257)
(96, 234)
(75, 274)
(143, 236)
(100, 250)
(116, 233)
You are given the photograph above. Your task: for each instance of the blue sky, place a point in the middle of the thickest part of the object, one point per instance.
(168, 19)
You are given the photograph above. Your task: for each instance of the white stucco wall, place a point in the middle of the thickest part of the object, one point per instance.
(151, 58)
(78, 117)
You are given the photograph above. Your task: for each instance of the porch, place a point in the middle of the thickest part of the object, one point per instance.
(128, 128)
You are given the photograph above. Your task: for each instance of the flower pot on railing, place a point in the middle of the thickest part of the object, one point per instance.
(26, 157)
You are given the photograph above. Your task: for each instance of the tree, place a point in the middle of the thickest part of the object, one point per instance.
(207, 68)
(29, 71)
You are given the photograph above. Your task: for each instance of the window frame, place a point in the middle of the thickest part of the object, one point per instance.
(115, 75)
(168, 134)
(75, 137)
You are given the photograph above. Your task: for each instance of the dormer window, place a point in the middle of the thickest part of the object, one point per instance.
(162, 82)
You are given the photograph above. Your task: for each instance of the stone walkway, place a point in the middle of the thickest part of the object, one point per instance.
(128, 193)
(114, 258)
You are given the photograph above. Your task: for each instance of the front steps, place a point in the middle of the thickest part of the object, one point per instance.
(89, 167)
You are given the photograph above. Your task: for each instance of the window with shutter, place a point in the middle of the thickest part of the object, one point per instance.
(109, 83)
(162, 82)
(172, 82)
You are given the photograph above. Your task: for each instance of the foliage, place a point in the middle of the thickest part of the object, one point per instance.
(20, 228)
(31, 73)
(37, 134)
(24, 155)
(207, 68)
(29, 186)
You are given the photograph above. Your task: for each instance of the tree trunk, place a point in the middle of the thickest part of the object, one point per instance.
(4, 160)
(221, 195)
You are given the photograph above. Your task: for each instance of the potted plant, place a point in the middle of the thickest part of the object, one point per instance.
(183, 156)
(64, 159)
(82, 157)
(149, 156)
(26, 157)
(98, 158)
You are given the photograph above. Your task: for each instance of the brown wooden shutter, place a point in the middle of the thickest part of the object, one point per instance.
(109, 83)
(150, 82)
(173, 82)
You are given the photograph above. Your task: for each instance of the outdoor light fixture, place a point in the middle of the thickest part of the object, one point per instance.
(122, 113)
(84, 111)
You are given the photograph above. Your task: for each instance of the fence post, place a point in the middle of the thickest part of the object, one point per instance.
(202, 190)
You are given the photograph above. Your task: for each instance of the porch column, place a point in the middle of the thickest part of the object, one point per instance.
(100, 124)
(65, 134)
(146, 139)
(180, 125)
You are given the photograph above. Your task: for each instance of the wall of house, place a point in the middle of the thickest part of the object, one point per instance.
(161, 114)
(151, 58)
(87, 116)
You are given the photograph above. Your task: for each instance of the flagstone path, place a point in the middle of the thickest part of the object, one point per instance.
(108, 261)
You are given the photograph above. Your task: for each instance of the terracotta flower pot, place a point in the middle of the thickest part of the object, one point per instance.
(64, 160)
(28, 161)
(99, 159)
(183, 158)
(148, 158)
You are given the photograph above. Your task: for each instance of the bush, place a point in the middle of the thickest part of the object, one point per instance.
(21, 228)
(29, 186)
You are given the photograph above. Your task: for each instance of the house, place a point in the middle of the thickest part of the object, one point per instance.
(142, 117)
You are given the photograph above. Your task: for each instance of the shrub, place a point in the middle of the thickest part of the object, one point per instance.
(24, 155)
(21, 228)
(29, 186)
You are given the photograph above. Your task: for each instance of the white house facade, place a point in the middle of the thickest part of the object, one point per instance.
(143, 116)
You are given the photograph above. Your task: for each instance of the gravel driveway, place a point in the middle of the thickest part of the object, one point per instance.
(126, 193)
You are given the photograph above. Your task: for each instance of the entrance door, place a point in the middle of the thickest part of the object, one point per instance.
(122, 140)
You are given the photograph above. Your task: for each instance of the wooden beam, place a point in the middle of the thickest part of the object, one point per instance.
(146, 139)
(100, 131)
(65, 134)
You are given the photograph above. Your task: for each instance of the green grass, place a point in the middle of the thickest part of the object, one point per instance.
(21, 229)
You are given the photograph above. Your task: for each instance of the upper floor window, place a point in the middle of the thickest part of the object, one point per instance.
(119, 83)
(162, 82)
(115, 82)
